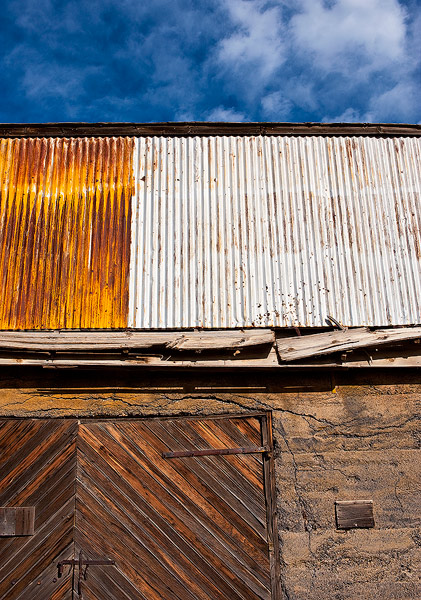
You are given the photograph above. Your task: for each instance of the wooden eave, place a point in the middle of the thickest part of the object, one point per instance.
(185, 129)
(233, 349)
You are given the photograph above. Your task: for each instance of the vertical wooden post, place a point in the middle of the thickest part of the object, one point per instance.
(270, 496)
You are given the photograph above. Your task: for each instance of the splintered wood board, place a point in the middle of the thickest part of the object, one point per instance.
(305, 346)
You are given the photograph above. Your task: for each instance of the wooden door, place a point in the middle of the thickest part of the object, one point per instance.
(38, 468)
(187, 528)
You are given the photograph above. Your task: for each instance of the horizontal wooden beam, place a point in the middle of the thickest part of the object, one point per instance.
(79, 341)
(203, 128)
(307, 346)
(157, 363)
(164, 350)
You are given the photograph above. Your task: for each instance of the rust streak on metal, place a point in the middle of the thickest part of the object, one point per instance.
(65, 213)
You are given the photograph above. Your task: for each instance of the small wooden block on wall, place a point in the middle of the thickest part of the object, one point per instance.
(17, 520)
(354, 514)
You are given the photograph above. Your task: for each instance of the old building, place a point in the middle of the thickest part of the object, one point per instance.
(209, 361)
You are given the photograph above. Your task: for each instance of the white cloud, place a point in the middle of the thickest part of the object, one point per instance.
(356, 37)
(183, 115)
(257, 44)
(228, 115)
(225, 60)
(276, 105)
(350, 115)
(42, 79)
(46, 17)
(400, 103)
(288, 60)
(302, 91)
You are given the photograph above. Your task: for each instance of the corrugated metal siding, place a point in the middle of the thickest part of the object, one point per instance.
(276, 231)
(226, 232)
(65, 218)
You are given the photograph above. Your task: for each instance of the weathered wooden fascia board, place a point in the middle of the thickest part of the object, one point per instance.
(203, 128)
(269, 363)
(147, 361)
(79, 341)
(306, 346)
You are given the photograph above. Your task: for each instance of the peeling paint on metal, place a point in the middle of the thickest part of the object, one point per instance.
(257, 231)
(65, 218)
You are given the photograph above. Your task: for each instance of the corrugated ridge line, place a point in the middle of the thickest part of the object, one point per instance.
(411, 216)
(277, 231)
(65, 232)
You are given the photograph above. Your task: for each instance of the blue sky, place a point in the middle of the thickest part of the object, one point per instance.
(214, 60)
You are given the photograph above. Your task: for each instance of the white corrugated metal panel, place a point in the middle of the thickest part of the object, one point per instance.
(276, 231)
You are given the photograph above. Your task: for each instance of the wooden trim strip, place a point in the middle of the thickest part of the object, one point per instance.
(207, 128)
(225, 365)
(271, 511)
(243, 415)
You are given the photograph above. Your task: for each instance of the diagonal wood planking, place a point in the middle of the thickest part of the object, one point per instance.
(182, 529)
(38, 468)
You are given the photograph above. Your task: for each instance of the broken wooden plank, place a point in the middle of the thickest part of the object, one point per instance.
(78, 341)
(97, 360)
(226, 340)
(296, 348)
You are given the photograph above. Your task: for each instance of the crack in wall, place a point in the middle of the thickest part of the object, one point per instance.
(398, 500)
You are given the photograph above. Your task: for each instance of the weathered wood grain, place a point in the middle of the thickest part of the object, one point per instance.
(17, 520)
(402, 354)
(193, 528)
(197, 129)
(37, 468)
(79, 341)
(306, 346)
(351, 514)
(271, 514)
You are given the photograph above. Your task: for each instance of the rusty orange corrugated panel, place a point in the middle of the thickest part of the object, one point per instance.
(65, 215)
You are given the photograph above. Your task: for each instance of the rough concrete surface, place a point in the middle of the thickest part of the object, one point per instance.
(338, 436)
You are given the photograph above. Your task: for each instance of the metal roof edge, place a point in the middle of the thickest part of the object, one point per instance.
(175, 129)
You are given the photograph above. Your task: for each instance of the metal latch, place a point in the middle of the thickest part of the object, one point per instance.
(83, 565)
(217, 452)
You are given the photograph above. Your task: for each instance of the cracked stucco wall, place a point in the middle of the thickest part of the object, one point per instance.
(338, 436)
